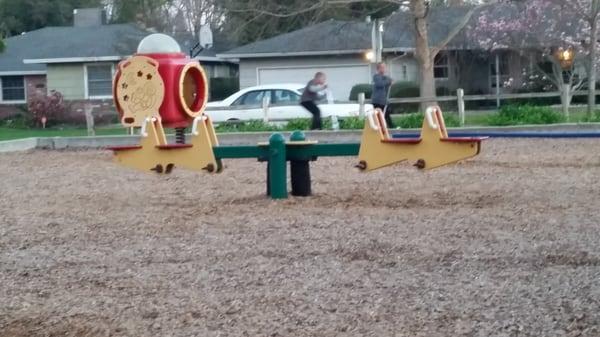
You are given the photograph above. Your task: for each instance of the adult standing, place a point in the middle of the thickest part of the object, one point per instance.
(381, 88)
(311, 94)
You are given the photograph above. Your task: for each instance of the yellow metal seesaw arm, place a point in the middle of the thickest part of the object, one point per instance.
(432, 149)
(154, 154)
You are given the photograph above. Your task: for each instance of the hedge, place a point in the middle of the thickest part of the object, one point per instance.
(402, 90)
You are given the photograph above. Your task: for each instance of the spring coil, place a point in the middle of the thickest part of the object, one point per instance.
(180, 135)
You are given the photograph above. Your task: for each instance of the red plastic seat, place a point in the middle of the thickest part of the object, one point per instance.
(124, 147)
(402, 141)
(173, 146)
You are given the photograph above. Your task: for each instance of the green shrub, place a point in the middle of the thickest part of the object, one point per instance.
(305, 123)
(595, 118)
(358, 88)
(525, 114)
(298, 124)
(352, 123)
(415, 121)
(410, 121)
(223, 87)
(18, 121)
(534, 101)
(451, 121)
(405, 90)
(250, 126)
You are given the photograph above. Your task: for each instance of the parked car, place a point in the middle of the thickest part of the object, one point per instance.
(284, 104)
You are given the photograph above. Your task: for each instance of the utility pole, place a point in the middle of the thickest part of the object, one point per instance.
(377, 40)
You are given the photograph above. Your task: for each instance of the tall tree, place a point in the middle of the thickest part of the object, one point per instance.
(307, 12)
(424, 52)
(196, 13)
(152, 13)
(21, 16)
(252, 20)
(544, 26)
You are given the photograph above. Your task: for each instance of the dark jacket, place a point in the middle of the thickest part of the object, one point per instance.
(381, 87)
(312, 91)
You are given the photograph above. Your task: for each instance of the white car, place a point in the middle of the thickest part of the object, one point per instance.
(284, 104)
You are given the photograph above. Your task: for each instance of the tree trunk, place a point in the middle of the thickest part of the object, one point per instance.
(423, 53)
(592, 66)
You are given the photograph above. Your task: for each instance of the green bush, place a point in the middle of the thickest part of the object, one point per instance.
(595, 118)
(525, 114)
(358, 88)
(534, 101)
(18, 121)
(250, 126)
(415, 121)
(410, 121)
(298, 124)
(352, 123)
(223, 87)
(405, 90)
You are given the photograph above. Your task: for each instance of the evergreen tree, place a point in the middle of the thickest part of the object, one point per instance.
(21, 16)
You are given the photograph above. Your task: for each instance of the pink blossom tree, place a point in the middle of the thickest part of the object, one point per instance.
(537, 29)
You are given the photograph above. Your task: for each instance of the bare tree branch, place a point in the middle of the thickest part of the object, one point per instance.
(452, 34)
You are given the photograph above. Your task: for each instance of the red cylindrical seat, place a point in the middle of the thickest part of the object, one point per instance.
(186, 88)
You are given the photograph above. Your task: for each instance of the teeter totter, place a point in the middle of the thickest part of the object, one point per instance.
(154, 91)
(432, 149)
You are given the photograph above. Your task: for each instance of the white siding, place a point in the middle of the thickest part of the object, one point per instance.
(403, 69)
(305, 67)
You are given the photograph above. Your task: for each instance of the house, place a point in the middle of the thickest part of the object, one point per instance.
(339, 47)
(79, 61)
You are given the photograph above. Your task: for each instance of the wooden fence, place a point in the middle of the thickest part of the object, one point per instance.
(461, 98)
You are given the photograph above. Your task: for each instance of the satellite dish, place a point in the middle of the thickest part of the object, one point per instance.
(205, 36)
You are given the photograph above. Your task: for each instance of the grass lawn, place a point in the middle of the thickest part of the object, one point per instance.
(479, 118)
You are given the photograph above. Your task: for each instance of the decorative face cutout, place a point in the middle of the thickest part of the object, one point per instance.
(139, 90)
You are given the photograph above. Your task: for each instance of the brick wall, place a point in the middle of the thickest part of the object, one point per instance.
(104, 113)
(36, 84)
(33, 84)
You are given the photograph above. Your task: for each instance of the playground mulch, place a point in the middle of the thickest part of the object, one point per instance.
(505, 244)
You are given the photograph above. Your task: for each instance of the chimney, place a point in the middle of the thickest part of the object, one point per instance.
(89, 17)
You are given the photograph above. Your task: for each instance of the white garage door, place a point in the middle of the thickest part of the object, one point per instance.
(341, 79)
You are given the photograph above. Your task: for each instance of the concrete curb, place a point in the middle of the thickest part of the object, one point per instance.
(24, 144)
(250, 138)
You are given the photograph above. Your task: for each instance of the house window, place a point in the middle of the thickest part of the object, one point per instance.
(13, 89)
(504, 70)
(99, 80)
(440, 66)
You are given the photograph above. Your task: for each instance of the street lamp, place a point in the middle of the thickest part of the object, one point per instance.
(565, 60)
(370, 56)
(565, 57)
